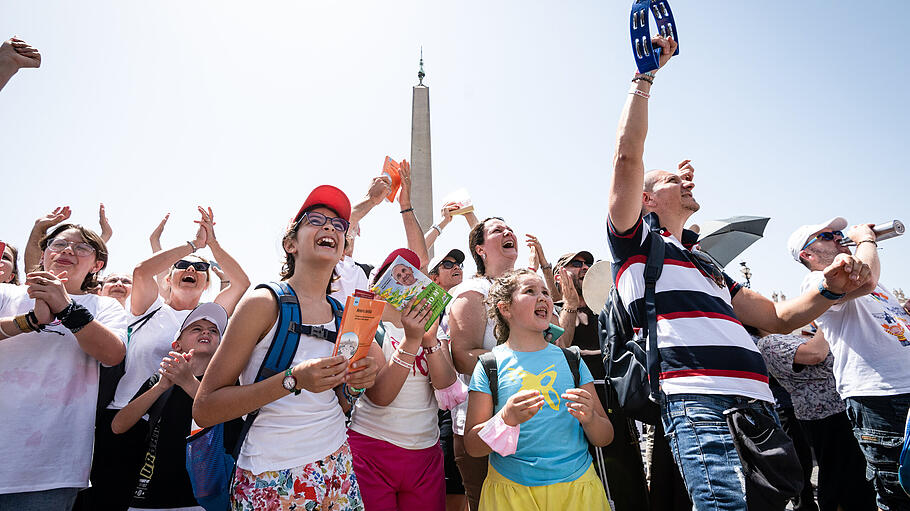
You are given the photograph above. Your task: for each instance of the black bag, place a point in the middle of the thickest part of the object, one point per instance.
(110, 376)
(632, 370)
(488, 362)
(770, 464)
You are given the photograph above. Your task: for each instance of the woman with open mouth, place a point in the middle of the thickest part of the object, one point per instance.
(153, 324)
(494, 246)
(118, 286)
(295, 454)
(53, 334)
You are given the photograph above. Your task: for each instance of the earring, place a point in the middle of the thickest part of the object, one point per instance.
(483, 256)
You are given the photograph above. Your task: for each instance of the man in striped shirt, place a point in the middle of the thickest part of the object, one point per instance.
(708, 363)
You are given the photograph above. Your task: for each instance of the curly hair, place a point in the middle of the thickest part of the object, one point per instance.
(501, 292)
(476, 237)
(287, 268)
(89, 236)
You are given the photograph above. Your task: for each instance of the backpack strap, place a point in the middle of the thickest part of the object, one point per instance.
(573, 358)
(488, 362)
(653, 269)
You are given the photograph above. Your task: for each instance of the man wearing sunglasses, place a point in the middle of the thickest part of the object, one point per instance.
(869, 335)
(708, 363)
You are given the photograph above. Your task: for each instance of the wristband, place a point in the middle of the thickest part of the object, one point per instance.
(403, 211)
(22, 324)
(827, 293)
(192, 246)
(438, 229)
(74, 317)
(641, 93)
(434, 349)
(867, 241)
(570, 310)
(402, 363)
(32, 320)
(501, 437)
(547, 266)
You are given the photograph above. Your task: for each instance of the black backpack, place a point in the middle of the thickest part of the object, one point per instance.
(632, 370)
(488, 362)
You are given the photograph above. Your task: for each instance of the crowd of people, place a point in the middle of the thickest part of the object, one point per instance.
(105, 375)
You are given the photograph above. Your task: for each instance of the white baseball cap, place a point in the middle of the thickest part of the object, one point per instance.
(210, 311)
(798, 239)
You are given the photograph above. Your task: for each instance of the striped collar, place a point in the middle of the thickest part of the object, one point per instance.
(689, 238)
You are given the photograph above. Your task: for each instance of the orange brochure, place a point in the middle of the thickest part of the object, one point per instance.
(362, 314)
(392, 169)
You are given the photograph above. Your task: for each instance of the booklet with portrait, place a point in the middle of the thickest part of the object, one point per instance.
(362, 314)
(402, 283)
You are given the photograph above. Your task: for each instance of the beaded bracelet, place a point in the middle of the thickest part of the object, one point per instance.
(866, 241)
(403, 211)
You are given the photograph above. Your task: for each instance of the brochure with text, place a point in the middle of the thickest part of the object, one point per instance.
(402, 282)
(362, 314)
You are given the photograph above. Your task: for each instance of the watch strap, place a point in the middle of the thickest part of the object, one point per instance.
(827, 293)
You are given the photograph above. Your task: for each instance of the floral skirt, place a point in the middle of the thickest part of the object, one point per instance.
(327, 484)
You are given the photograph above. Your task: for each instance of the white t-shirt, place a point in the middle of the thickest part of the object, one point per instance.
(351, 278)
(411, 420)
(870, 341)
(482, 286)
(147, 346)
(48, 395)
(295, 429)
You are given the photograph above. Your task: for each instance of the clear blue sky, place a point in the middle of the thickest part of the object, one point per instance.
(791, 110)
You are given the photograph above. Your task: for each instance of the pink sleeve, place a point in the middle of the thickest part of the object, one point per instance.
(501, 437)
(452, 396)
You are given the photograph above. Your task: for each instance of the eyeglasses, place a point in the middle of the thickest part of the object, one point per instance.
(122, 280)
(318, 220)
(450, 264)
(80, 248)
(577, 264)
(707, 267)
(197, 265)
(827, 236)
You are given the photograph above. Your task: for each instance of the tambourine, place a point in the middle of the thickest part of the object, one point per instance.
(646, 55)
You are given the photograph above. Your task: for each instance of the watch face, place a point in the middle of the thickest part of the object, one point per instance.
(290, 383)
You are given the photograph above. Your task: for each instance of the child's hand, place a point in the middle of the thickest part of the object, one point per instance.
(176, 367)
(581, 406)
(521, 406)
(414, 316)
(363, 373)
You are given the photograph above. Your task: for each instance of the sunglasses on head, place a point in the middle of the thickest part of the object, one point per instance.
(827, 236)
(197, 265)
(80, 248)
(318, 220)
(449, 265)
(707, 267)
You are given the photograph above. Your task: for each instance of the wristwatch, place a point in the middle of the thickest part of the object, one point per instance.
(290, 382)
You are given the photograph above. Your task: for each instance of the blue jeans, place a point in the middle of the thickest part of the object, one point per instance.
(57, 499)
(878, 424)
(703, 448)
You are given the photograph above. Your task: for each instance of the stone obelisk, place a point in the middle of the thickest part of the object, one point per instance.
(421, 167)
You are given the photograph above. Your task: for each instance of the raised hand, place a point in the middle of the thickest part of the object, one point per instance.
(846, 274)
(416, 317)
(447, 210)
(208, 223)
(44, 285)
(686, 170)
(580, 404)
(569, 291)
(155, 238)
(321, 374)
(667, 48)
(521, 406)
(106, 231)
(536, 249)
(379, 188)
(19, 54)
(59, 214)
(404, 196)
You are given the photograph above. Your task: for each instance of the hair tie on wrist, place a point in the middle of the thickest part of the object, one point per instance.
(403, 211)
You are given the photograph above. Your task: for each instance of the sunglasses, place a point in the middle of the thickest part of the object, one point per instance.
(80, 248)
(577, 264)
(827, 236)
(197, 265)
(449, 265)
(707, 267)
(318, 220)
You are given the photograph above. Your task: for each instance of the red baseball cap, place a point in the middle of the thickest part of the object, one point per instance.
(408, 255)
(330, 197)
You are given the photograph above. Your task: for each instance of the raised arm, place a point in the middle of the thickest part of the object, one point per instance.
(233, 273)
(32, 255)
(379, 188)
(628, 163)
(545, 267)
(433, 232)
(16, 54)
(845, 275)
(155, 242)
(411, 227)
(106, 231)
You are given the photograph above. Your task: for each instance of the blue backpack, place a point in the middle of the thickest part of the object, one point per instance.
(210, 468)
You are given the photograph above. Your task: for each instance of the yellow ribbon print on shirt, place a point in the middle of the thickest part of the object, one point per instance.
(531, 381)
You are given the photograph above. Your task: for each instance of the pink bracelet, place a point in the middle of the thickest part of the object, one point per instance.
(501, 437)
(641, 93)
